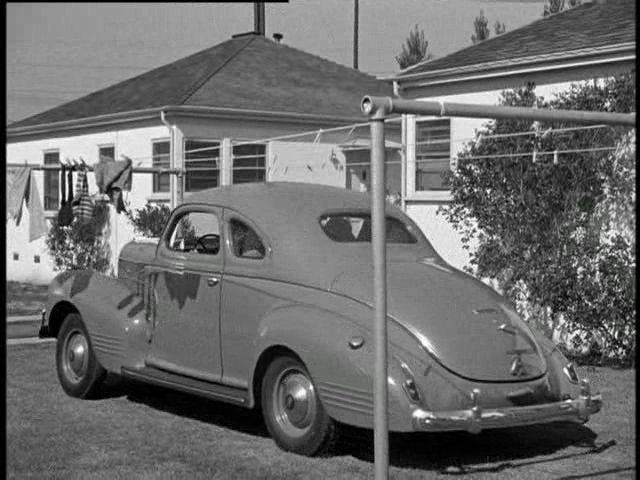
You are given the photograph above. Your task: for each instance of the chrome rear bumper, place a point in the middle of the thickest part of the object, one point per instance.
(476, 419)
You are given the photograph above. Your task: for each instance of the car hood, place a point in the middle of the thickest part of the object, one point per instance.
(464, 324)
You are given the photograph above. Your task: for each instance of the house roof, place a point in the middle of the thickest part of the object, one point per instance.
(586, 28)
(248, 72)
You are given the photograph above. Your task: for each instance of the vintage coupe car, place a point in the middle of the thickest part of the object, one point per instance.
(260, 295)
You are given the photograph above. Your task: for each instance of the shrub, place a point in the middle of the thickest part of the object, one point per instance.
(81, 245)
(150, 220)
(557, 237)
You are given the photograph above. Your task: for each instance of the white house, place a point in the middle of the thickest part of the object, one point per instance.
(591, 41)
(229, 114)
(200, 112)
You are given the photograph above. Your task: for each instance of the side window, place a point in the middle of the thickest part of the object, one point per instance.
(197, 232)
(245, 242)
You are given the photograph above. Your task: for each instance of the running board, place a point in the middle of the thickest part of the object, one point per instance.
(215, 391)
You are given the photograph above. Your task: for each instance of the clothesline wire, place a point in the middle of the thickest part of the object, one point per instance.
(318, 132)
(478, 137)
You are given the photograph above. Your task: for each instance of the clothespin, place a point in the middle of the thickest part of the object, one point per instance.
(479, 140)
(318, 136)
(533, 157)
(555, 157)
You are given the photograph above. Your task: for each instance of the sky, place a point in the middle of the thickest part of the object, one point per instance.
(57, 52)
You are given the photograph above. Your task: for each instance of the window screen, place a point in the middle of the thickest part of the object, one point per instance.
(51, 182)
(433, 154)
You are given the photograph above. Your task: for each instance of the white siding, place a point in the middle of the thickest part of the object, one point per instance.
(134, 143)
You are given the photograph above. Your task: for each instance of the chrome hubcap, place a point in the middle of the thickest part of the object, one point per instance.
(75, 356)
(294, 402)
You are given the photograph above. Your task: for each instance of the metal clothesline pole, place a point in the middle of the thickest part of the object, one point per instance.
(160, 170)
(377, 108)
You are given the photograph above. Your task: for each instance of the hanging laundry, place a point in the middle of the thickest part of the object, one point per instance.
(112, 177)
(65, 214)
(17, 192)
(82, 205)
(37, 222)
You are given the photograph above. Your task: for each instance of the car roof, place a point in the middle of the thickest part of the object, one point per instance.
(288, 213)
(268, 202)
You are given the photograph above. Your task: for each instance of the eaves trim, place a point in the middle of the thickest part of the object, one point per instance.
(180, 110)
(532, 61)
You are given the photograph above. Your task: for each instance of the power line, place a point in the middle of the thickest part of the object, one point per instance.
(97, 67)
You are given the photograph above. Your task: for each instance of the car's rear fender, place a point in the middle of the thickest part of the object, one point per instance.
(339, 354)
(113, 315)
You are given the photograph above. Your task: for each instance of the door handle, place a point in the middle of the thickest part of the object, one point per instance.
(213, 281)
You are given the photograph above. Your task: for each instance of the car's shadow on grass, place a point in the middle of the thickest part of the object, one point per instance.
(459, 453)
(194, 407)
(453, 453)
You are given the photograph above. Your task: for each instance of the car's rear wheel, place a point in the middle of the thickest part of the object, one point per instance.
(292, 409)
(79, 371)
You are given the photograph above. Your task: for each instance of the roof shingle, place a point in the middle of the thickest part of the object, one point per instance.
(595, 24)
(247, 72)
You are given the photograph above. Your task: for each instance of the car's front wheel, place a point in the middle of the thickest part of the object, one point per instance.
(79, 372)
(292, 409)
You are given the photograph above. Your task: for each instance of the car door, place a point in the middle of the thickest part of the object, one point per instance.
(186, 288)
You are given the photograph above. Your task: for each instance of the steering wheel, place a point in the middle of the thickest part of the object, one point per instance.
(214, 243)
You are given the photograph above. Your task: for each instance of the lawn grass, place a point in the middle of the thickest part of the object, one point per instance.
(25, 298)
(147, 433)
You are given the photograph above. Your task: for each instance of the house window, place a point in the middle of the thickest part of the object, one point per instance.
(160, 158)
(107, 153)
(51, 182)
(249, 163)
(202, 163)
(433, 154)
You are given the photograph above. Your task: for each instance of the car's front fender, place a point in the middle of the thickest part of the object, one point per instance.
(113, 315)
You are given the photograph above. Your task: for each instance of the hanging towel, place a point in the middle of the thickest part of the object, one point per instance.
(82, 205)
(110, 174)
(37, 223)
(17, 192)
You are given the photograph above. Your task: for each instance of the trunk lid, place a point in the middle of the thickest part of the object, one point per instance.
(469, 327)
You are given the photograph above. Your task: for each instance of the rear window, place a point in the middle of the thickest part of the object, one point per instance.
(357, 228)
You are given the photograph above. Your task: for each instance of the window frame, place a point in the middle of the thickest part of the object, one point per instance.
(407, 227)
(185, 160)
(435, 195)
(155, 177)
(233, 168)
(47, 176)
(175, 220)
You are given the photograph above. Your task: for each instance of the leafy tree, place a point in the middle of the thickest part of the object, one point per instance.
(480, 28)
(414, 50)
(558, 237)
(556, 6)
(499, 28)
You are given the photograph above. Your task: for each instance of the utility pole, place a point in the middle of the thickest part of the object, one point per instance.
(355, 34)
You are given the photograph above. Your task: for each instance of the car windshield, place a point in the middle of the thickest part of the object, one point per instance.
(357, 228)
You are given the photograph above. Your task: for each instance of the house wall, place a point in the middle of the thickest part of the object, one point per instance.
(310, 158)
(133, 142)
